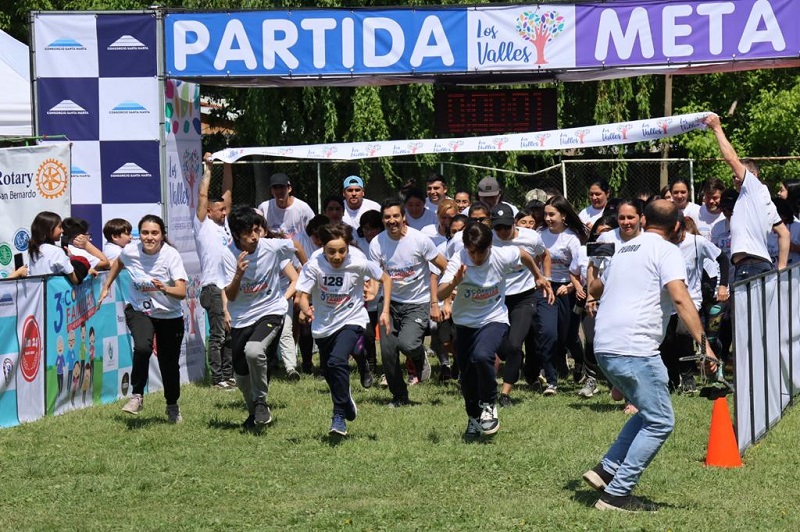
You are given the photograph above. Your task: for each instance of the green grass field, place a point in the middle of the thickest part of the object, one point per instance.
(405, 469)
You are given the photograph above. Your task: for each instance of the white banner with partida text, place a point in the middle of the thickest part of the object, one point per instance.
(32, 179)
(558, 139)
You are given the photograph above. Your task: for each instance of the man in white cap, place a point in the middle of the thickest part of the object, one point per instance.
(285, 213)
(355, 204)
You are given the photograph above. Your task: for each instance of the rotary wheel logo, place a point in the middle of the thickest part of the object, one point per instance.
(51, 179)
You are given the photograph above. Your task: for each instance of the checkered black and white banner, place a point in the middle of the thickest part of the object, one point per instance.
(96, 83)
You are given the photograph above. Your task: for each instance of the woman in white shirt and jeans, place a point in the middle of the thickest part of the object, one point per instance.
(158, 284)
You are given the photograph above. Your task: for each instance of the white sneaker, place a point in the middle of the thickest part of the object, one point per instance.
(134, 405)
(488, 420)
(174, 414)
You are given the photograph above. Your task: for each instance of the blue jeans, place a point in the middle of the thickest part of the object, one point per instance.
(751, 269)
(644, 382)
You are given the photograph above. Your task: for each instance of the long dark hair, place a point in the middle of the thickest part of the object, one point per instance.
(42, 229)
(792, 187)
(571, 219)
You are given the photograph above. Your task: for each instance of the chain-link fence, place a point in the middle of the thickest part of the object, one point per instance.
(313, 181)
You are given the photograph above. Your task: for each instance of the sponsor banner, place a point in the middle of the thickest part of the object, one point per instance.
(126, 45)
(9, 354)
(130, 172)
(81, 337)
(561, 139)
(133, 212)
(458, 40)
(30, 336)
(86, 183)
(93, 214)
(184, 169)
(65, 45)
(128, 108)
(68, 106)
(32, 179)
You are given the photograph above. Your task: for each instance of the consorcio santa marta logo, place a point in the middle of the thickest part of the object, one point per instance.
(30, 358)
(131, 170)
(127, 42)
(52, 179)
(65, 44)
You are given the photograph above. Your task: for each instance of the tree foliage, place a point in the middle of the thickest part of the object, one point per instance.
(764, 104)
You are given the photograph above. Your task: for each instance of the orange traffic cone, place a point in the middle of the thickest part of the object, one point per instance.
(722, 448)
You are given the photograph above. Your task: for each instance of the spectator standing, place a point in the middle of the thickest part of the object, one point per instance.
(598, 198)
(212, 236)
(355, 204)
(285, 213)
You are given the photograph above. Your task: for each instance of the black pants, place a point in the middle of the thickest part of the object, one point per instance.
(334, 356)
(521, 313)
(677, 343)
(168, 335)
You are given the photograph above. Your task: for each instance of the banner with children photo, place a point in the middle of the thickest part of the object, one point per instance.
(88, 346)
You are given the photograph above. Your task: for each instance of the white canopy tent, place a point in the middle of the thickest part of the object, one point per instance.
(15, 98)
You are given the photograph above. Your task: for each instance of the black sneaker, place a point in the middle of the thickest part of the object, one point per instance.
(399, 403)
(505, 400)
(598, 478)
(488, 420)
(474, 429)
(249, 423)
(444, 373)
(624, 503)
(262, 414)
(365, 374)
(688, 386)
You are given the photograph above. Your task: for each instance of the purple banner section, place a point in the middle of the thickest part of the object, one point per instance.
(92, 214)
(654, 33)
(68, 106)
(130, 172)
(126, 46)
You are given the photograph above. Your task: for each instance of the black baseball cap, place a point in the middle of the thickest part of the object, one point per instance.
(279, 180)
(502, 214)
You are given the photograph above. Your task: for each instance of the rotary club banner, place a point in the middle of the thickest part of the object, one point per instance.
(32, 179)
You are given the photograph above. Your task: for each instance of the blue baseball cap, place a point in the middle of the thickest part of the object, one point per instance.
(353, 181)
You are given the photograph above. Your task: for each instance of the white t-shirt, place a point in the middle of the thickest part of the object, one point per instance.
(635, 307)
(521, 279)
(721, 237)
(353, 217)
(78, 252)
(291, 220)
(696, 251)
(406, 262)
(590, 215)
(259, 292)
(112, 250)
(754, 214)
(692, 210)
(141, 293)
(337, 294)
(306, 243)
(772, 244)
(211, 239)
(428, 217)
(481, 295)
(52, 259)
(564, 250)
(705, 222)
(454, 245)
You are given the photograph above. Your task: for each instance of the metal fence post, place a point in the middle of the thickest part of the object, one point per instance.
(691, 178)
(319, 186)
(564, 177)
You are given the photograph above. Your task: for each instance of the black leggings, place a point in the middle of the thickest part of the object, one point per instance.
(168, 333)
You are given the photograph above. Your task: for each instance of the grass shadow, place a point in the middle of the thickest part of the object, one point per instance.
(595, 407)
(216, 423)
(581, 492)
(139, 422)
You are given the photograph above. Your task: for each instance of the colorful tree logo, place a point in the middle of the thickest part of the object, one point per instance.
(190, 166)
(664, 124)
(373, 149)
(414, 146)
(624, 128)
(581, 134)
(455, 144)
(542, 137)
(499, 141)
(539, 29)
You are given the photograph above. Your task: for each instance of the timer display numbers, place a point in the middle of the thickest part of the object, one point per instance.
(465, 112)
